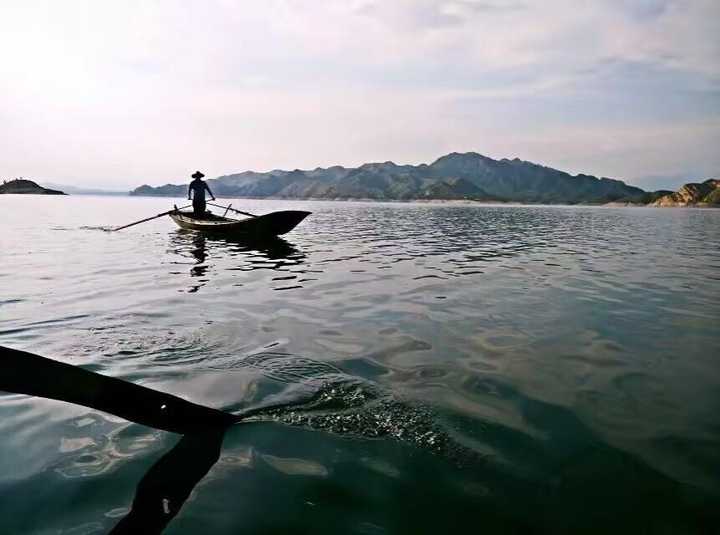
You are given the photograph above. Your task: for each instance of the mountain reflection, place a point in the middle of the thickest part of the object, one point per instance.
(212, 255)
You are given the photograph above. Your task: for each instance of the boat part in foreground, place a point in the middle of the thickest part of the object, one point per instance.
(166, 486)
(26, 373)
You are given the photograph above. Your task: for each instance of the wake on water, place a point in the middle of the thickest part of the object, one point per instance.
(323, 397)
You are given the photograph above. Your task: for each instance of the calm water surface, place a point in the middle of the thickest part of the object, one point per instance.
(459, 368)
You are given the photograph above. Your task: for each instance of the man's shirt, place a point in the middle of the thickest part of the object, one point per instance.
(198, 188)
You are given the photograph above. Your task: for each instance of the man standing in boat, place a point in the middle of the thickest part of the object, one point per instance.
(197, 188)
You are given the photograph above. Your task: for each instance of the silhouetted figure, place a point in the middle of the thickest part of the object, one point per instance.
(197, 188)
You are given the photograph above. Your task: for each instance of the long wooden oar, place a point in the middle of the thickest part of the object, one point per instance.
(168, 484)
(233, 210)
(27, 373)
(150, 218)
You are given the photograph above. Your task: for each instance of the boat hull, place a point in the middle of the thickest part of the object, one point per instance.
(272, 224)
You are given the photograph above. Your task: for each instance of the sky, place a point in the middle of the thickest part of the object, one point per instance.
(115, 94)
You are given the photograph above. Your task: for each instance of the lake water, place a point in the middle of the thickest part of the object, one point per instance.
(458, 368)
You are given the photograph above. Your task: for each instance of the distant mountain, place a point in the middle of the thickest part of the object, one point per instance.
(454, 176)
(694, 194)
(75, 190)
(168, 190)
(21, 186)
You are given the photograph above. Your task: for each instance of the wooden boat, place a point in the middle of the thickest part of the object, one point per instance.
(272, 224)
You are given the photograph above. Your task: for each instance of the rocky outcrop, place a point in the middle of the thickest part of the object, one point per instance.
(454, 176)
(21, 186)
(694, 194)
(642, 199)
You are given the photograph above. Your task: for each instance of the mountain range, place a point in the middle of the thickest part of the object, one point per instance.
(453, 176)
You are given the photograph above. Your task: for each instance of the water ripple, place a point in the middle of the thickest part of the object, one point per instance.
(572, 349)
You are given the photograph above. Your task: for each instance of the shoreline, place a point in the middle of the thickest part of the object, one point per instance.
(445, 202)
(451, 202)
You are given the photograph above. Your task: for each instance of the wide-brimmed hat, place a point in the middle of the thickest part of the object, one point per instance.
(197, 174)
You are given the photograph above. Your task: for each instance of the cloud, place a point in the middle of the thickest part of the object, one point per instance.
(138, 91)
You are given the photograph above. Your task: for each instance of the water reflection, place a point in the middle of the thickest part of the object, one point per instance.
(606, 317)
(217, 254)
(576, 467)
(199, 251)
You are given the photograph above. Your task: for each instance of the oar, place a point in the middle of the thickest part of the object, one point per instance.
(233, 210)
(26, 373)
(164, 488)
(150, 218)
(168, 484)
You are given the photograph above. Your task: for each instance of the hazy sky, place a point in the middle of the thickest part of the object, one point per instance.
(117, 94)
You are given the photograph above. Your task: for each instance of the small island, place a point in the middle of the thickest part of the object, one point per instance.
(22, 186)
